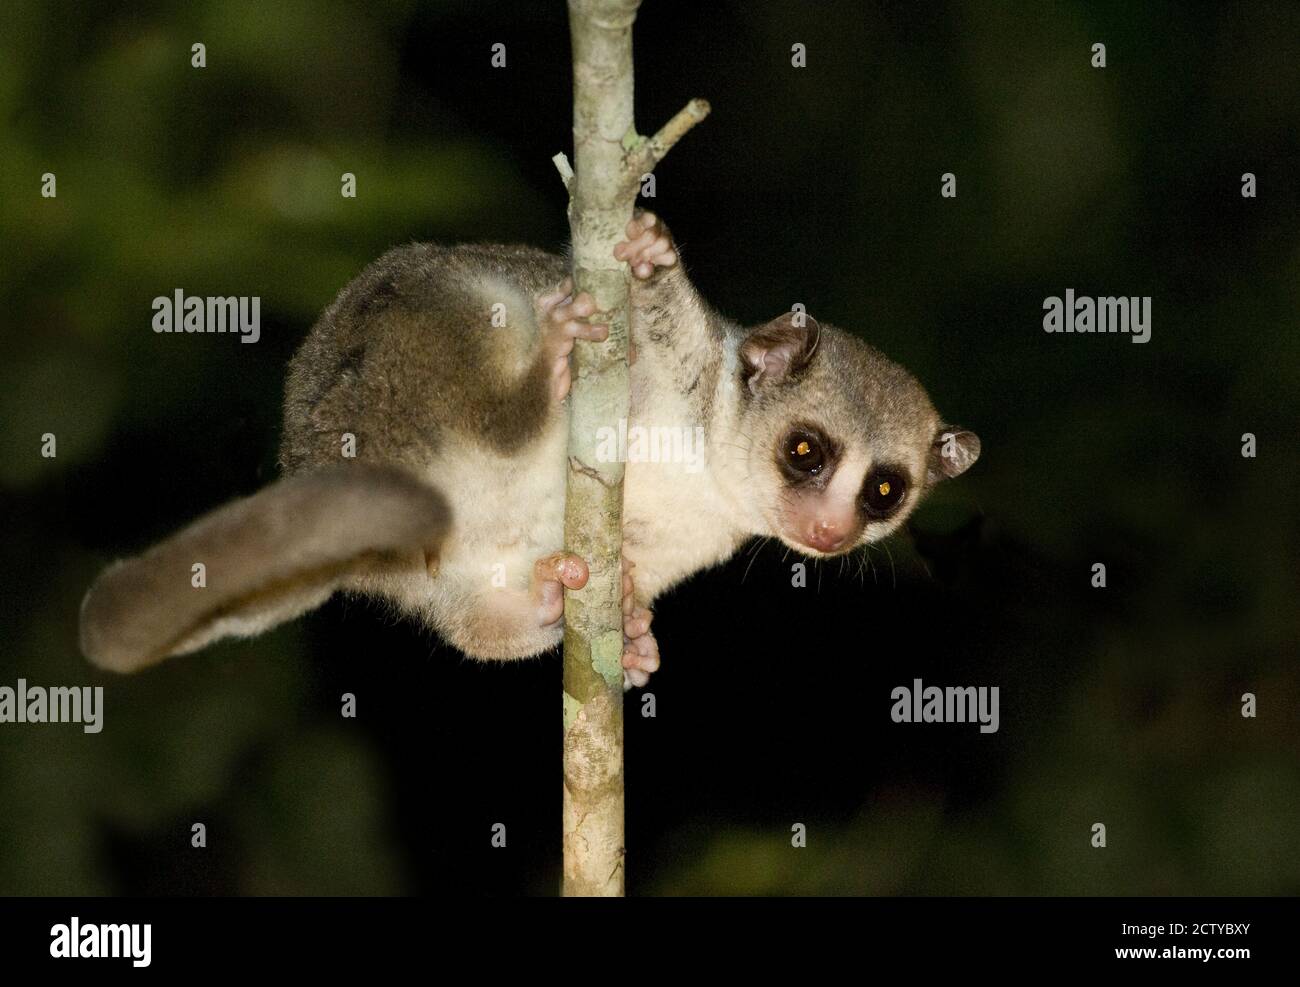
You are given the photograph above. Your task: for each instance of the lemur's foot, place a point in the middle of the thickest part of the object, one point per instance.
(648, 247)
(564, 320)
(640, 649)
(551, 574)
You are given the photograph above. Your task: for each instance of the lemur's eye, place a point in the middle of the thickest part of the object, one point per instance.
(804, 453)
(883, 492)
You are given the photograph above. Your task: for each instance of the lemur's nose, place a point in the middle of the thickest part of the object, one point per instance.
(825, 536)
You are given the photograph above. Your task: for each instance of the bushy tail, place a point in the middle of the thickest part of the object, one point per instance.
(266, 559)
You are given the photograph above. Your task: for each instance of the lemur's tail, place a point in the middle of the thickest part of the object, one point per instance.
(265, 559)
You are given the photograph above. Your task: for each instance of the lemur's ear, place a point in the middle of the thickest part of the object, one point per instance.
(266, 559)
(779, 350)
(952, 453)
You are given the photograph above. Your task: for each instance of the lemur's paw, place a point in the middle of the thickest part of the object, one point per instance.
(551, 574)
(564, 320)
(648, 247)
(640, 649)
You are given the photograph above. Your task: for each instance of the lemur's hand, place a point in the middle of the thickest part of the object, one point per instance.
(648, 247)
(564, 319)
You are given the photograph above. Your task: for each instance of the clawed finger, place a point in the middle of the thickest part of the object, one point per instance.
(634, 677)
(642, 653)
(562, 567)
(637, 623)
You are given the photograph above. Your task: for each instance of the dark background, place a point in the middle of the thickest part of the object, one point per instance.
(818, 185)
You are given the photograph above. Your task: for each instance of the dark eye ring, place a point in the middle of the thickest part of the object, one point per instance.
(883, 492)
(804, 453)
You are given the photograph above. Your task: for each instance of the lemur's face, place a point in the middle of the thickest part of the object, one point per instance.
(842, 443)
(836, 493)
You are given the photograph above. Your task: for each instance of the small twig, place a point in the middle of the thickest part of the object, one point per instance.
(562, 165)
(649, 153)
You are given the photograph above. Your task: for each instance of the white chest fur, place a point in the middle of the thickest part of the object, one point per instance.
(507, 511)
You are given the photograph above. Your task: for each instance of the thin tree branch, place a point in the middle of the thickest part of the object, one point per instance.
(609, 158)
